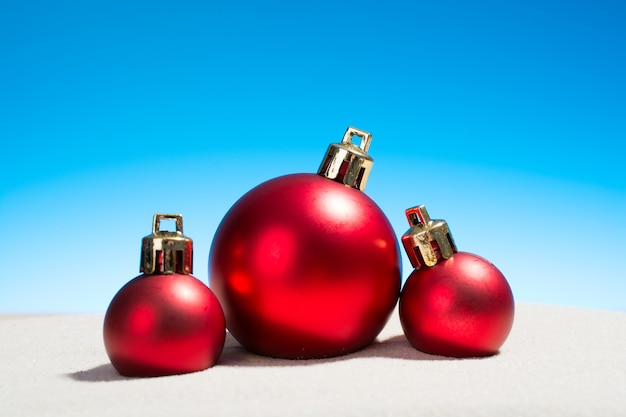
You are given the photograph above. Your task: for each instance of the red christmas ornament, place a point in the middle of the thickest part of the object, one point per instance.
(164, 321)
(452, 304)
(306, 265)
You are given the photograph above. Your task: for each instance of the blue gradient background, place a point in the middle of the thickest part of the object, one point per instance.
(507, 119)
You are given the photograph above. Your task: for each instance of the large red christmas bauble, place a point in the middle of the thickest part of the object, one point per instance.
(305, 267)
(163, 325)
(461, 307)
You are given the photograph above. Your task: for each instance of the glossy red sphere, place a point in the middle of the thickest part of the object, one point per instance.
(305, 267)
(163, 325)
(461, 307)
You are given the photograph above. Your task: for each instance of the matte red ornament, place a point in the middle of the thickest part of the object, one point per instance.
(306, 265)
(164, 321)
(454, 303)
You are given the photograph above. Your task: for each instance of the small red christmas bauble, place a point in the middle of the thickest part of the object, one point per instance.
(461, 306)
(165, 321)
(306, 266)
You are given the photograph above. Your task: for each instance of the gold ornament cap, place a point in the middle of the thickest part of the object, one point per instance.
(428, 241)
(348, 163)
(166, 252)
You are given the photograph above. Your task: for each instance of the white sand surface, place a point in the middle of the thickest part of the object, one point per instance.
(558, 361)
